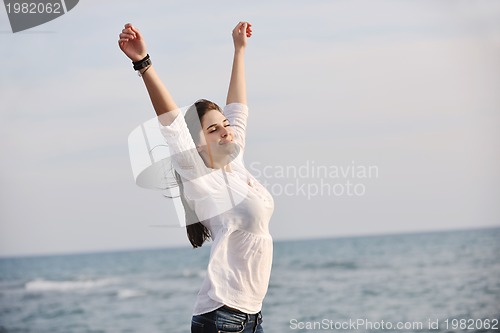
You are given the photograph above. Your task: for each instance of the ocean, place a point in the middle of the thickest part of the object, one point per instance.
(421, 282)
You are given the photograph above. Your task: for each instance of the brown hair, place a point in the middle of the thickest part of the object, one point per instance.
(197, 233)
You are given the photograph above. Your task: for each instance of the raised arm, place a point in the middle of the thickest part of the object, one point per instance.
(237, 85)
(132, 43)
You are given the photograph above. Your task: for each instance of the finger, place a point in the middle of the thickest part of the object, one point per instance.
(136, 32)
(125, 39)
(240, 27)
(248, 25)
(129, 31)
(126, 35)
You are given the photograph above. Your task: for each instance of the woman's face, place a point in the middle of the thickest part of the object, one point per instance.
(217, 141)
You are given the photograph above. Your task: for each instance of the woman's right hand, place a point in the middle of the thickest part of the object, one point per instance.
(132, 43)
(241, 33)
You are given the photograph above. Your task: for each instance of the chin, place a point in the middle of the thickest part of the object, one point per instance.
(230, 149)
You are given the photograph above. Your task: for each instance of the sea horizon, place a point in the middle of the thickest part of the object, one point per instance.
(275, 240)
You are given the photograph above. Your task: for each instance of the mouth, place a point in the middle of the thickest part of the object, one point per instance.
(224, 142)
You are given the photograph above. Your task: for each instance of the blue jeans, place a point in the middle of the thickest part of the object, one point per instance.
(226, 320)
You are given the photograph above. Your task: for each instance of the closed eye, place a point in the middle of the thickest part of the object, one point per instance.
(213, 128)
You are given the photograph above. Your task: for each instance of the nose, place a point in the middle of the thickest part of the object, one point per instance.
(224, 132)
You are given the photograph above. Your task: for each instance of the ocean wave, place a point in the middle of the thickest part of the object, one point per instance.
(185, 273)
(129, 293)
(192, 273)
(51, 285)
(340, 265)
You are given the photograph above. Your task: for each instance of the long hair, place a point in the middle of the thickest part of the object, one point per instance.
(197, 233)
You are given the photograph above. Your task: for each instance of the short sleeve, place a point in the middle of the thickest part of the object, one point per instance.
(237, 114)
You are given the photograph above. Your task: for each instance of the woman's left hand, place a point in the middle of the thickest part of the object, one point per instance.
(241, 33)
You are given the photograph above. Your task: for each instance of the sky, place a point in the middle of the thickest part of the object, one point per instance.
(365, 117)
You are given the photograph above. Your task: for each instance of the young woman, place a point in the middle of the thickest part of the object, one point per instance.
(222, 200)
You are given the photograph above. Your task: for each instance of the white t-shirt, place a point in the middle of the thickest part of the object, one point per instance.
(236, 209)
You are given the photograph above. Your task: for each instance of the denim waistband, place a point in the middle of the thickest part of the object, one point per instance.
(225, 316)
(247, 318)
(228, 309)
